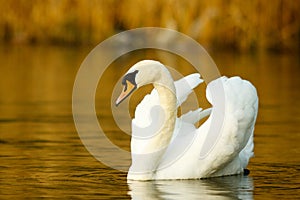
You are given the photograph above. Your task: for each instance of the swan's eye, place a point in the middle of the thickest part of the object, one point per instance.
(129, 77)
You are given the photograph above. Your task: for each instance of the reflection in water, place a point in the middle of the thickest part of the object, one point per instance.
(231, 187)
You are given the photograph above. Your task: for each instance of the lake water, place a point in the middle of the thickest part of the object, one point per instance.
(42, 155)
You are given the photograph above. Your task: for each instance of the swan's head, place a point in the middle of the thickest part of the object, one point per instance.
(140, 74)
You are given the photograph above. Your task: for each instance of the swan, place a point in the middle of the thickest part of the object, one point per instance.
(165, 146)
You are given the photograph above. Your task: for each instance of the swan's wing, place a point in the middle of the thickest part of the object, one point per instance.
(234, 146)
(194, 116)
(245, 106)
(185, 86)
(247, 151)
(149, 106)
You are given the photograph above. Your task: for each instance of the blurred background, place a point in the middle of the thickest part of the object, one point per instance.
(238, 25)
(44, 42)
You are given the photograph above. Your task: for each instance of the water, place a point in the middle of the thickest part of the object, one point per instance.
(42, 155)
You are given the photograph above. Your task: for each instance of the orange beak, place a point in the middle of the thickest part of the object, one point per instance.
(127, 90)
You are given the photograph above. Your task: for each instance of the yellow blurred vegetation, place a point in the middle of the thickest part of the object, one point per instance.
(235, 24)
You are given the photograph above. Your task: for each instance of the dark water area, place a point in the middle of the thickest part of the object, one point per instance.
(42, 155)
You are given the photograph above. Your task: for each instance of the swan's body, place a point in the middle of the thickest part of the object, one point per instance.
(166, 147)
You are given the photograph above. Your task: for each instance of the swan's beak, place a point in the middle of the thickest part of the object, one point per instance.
(127, 90)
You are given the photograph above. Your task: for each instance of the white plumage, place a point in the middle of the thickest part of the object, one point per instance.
(164, 146)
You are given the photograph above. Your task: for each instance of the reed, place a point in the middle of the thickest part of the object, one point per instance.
(239, 25)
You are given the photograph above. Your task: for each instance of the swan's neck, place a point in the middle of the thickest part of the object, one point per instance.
(148, 156)
(167, 99)
(160, 140)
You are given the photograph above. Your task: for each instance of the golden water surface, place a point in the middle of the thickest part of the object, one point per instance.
(42, 156)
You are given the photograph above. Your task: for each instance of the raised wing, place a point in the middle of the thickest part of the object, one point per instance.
(148, 107)
(234, 146)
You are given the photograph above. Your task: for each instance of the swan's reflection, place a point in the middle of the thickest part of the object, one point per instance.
(231, 187)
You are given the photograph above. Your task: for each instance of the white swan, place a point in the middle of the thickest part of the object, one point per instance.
(164, 146)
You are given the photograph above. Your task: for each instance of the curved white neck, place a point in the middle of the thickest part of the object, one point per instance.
(167, 99)
(150, 151)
